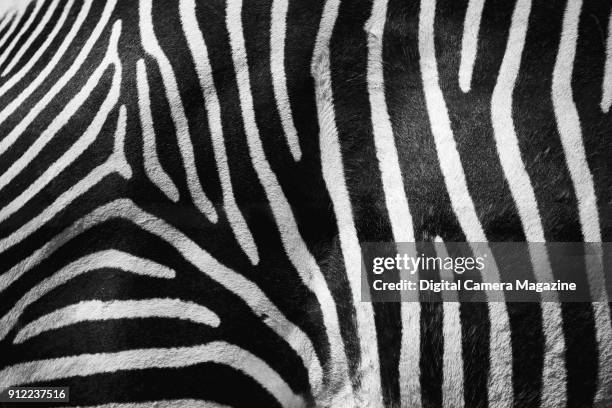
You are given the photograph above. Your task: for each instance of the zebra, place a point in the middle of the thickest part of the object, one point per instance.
(185, 186)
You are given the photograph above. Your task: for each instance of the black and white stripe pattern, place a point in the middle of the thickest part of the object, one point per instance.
(184, 187)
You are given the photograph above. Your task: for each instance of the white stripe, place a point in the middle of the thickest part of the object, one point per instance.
(17, 16)
(469, 43)
(279, 80)
(96, 310)
(97, 260)
(568, 124)
(500, 375)
(554, 372)
(177, 111)
(199, 53)
(178, 403)
(395, 199)
(77, 149)
(153, 167)
(333, 174)
(217, 352)
(40, 50)
(21, 127)
(245, 289)
(39, 27)
(116, 163)
(22, 31)
(452, 371)
(6, 19)
(294, 246)
(606, 85)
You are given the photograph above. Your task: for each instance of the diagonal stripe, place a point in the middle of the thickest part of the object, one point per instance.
(469, 43)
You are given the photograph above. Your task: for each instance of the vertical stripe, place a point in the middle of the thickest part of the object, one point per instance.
(554, 371)
(469, 43)
(606, 85)
(177, 111)
(395, 198)
(500, 377)
(37, 30)
(334, 177)
(24, 28)
(452, 384)
(279, 80)
(568, 124)
(199, 53)
(153, 168)
(294, 245)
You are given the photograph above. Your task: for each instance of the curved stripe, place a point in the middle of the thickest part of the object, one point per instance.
(568, 124)
(199, 53)
(98, 260)
(394, 193)
(369, 389)
(82, 143)
(452, 361)
(178, 403)
(6, 19)
(21, 127)
(24, 28)
(554, 371)
(606, 85)
(469, 43)
(279, 79)
(500, 375)
(39, 27)
(217, 352)
(116, 163)
(245, 289)
(40, 50)
(96, 310)
(153, 167)
(294, 245)
(177, 111)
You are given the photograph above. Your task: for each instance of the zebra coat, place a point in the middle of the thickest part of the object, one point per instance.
(185, 185)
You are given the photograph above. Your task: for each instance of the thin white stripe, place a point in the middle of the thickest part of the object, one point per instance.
(178, 403)
(17, 16)
(116, 163)
(6, 19)
(333, 175)
(500, 376)
(153, 167)
(568, 124)
(395, 198)
(84, 141)
(452, 371)
(606, 85)
(553, 382)
(39, 27)
(97, 260)
(279, 80)
(177, 111)
(39, 50)
(245, 289)
(22, 31)
(469, 43)
(21, 127)
(218, 352)
(199, 53)
(96, 310)
(292, 241)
